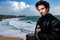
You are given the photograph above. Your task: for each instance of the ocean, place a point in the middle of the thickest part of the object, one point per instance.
(19, 27)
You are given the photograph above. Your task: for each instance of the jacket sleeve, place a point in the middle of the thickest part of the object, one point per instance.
(53, 34)
(38, 22)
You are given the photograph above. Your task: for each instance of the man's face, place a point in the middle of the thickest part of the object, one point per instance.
(42, 10)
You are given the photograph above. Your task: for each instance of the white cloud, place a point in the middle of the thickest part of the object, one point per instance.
(14, 5)
(23, 5)
(55, 10)
(30, 11)
(17, 8)
(18, 5)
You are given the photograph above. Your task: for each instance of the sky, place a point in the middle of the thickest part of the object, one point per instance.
(26, 7)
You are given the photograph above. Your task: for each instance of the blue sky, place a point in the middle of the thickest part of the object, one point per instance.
(26, 7)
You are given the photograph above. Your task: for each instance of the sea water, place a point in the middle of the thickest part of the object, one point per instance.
(19, 27)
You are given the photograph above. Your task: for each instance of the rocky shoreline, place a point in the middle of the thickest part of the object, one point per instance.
(10, 16)
(30, 36)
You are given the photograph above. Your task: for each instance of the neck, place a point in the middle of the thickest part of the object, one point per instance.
(44, 14)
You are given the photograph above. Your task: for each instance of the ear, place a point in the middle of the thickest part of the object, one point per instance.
(48, 9)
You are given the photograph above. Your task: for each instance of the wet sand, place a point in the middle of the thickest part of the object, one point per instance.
(9, 38)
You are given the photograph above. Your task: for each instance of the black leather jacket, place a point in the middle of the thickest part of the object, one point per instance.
(50, 28)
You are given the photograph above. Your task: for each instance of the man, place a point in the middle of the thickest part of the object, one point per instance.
(48, 26)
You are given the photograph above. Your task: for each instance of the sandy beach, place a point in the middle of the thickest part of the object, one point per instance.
(9, 38)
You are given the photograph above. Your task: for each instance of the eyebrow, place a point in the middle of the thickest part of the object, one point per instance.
(42, 8)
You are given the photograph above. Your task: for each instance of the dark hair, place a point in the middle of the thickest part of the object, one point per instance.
(46, 4)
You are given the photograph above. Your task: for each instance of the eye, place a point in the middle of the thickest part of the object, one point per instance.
(38, 10)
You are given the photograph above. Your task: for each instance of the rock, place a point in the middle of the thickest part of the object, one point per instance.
(30, 36)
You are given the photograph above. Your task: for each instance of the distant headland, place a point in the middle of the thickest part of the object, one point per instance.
(10, 16)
